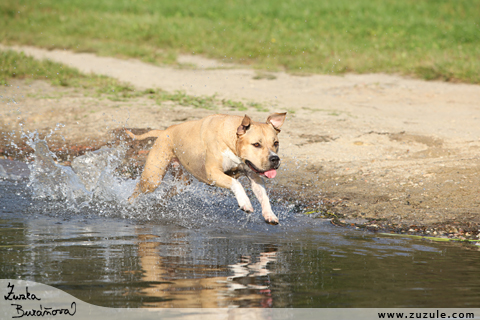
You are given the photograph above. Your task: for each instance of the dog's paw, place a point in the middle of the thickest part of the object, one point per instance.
(245, 204)
(270, 218)
(247, 208)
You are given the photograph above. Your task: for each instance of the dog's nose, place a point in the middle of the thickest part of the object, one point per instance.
(275, 160)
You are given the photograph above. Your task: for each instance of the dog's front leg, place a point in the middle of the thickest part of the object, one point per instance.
(241, 196)
(218, 178)
(261, 194)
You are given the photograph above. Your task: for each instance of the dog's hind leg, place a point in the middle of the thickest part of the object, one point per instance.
(155, 168)
(180, 178)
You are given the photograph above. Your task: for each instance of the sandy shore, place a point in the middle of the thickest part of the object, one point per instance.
(377, 151)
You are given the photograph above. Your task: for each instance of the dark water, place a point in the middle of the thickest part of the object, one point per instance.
(199, 251)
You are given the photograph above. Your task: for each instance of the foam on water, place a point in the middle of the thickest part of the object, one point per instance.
(92, 186)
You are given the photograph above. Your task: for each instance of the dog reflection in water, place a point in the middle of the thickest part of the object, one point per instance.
(248, 286)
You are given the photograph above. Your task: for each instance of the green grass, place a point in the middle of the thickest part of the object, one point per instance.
(430, 39)
(14, 65)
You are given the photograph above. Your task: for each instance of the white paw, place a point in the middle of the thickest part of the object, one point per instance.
(270, 217)
(246, 207)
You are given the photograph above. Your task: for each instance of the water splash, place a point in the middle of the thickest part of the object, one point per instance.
(53, 181)
(90, 179)
(93, 186)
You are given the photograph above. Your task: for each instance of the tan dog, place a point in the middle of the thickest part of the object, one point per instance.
(216, 150)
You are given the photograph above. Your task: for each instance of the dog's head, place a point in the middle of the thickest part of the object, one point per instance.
(257, 144)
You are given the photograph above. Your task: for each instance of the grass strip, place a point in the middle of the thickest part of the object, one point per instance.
(14, 65)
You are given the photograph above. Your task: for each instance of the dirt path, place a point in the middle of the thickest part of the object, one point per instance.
(381, 151)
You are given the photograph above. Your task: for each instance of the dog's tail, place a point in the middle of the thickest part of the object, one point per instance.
(150, 134)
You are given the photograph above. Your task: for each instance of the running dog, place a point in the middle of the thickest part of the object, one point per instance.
(216, 150)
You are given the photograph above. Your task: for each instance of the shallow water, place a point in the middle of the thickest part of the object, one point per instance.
(198, 250)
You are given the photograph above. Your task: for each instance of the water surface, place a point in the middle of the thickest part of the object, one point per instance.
(198, 250)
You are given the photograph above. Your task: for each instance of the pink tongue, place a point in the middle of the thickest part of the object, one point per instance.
(270, 173)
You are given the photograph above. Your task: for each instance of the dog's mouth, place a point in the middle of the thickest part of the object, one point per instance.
(271, 173)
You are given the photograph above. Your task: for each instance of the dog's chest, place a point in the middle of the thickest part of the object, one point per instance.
(230, 161)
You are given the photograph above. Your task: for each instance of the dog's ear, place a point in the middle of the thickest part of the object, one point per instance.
(246, 122)
(276, 120)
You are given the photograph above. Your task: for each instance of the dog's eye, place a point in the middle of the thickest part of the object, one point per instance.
(275, 144)
(256, 145)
